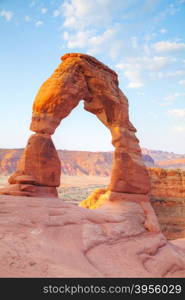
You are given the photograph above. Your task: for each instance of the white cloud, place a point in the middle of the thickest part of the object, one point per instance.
(166, 46)
(39, 23)
(134, 42)
(179, 129)
(169, 74)
(135, 66)
(91, 25)
(175, 73)
(82, 13)
(80, 39)
(163, 30)
(145, 62)
(7, 14)
(173, 9)
(80, 16)
(171, 98)
(135, 80)
(32, 4)
(157, 62)
(27, 19)
(57, 12)
(43, 10)
(92, 41)
(179, 113)
(182, 82)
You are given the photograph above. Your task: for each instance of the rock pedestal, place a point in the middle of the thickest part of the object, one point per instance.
(38, 172)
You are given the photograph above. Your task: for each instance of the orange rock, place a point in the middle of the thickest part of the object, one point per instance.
(79, 77)
(25, 179)
(83, 77)
(168, 200)
(101, 196)
(49, 238)
(29, 191)
(40, 160)
(38, 166)
(167, 183)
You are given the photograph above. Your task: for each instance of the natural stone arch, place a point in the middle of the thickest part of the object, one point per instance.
(78, 77)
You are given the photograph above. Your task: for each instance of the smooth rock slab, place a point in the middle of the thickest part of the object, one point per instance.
(50, 238)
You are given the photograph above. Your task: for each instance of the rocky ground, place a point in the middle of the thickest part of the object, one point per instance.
(170, 211)
(42, 237)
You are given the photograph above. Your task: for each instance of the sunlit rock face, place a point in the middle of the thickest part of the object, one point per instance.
(79, 77)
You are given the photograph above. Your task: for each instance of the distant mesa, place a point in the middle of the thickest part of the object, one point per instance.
(92, 163)
(72, 162)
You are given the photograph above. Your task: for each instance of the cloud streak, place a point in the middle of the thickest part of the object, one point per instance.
(179, 113)
(39, 23)
(7, 14)
(166, 46)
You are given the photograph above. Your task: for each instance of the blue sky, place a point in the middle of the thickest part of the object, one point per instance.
(142, 40)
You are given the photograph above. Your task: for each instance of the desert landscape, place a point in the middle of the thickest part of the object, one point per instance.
(108, 214)
(92, 147)
(83, 172)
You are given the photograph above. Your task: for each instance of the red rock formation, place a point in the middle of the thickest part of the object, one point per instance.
(172, 163)
(72, 162)
(168, 200)
(39, 160)
(83, 77)
(167, 183)
(38, 171)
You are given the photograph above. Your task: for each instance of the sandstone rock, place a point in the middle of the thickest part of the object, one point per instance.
(172, 164)
(25, 179)
(101, 197)
(29, 190)
(167, 183)
(83, 77)
(38, 166)
(168, 200)
(50, 238)
(72, 162)
(40, 160)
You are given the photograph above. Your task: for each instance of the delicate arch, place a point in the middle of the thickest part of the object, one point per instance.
(80, 76)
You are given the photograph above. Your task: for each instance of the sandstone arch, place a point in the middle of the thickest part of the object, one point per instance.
(81, 76)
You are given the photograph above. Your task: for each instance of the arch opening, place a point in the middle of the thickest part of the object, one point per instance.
(86, 160)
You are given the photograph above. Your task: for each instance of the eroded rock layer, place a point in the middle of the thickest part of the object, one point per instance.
(167, 183)
(168, 200)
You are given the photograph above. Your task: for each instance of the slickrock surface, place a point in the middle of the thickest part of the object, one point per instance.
(49, 238)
